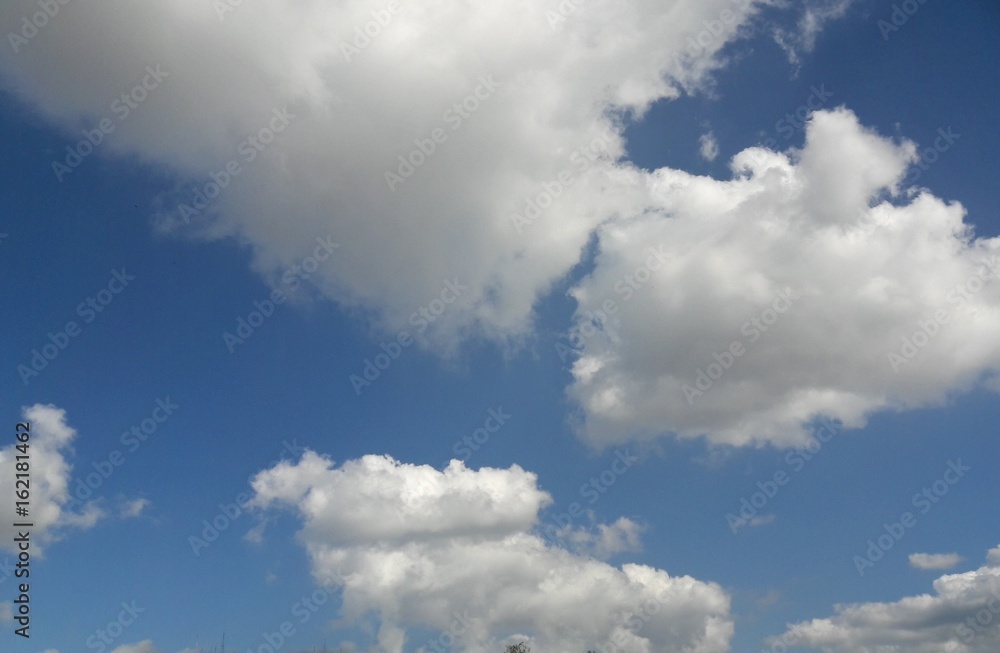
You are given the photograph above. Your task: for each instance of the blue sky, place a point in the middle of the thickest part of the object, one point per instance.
(610, 414)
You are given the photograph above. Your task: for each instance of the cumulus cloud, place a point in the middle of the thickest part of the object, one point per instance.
(49, 446)
(471, 151)
(743, 309)
(961, 616)
(515, 98)
(453, 550)
(934, 560)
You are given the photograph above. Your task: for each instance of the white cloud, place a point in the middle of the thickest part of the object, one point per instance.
(962, 616)
(422, 548)
(134, 507)
(548, 131)
(49, 446)
(708, 147)
(324, 175)
(802, 39)
(934, 560)
(690, 275)
(6, 612)
(145, 646)
(604, 540)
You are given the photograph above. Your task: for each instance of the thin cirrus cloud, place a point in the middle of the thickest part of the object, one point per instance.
(454, 121)
(421, 547)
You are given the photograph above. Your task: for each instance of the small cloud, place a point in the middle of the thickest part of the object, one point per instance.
(934, 560)
(709, 147)
(145, 646)
(271, 578)
(768, 599)
(605, 540)
(759, 520)
(256, 534)
(6, 612)
(802, 39)
(133, 508)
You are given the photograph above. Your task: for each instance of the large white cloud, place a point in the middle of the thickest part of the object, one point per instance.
(531, 106)
(559, 85)
(49, 447)
(452, 550)
(864, 264)
(962, 616)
